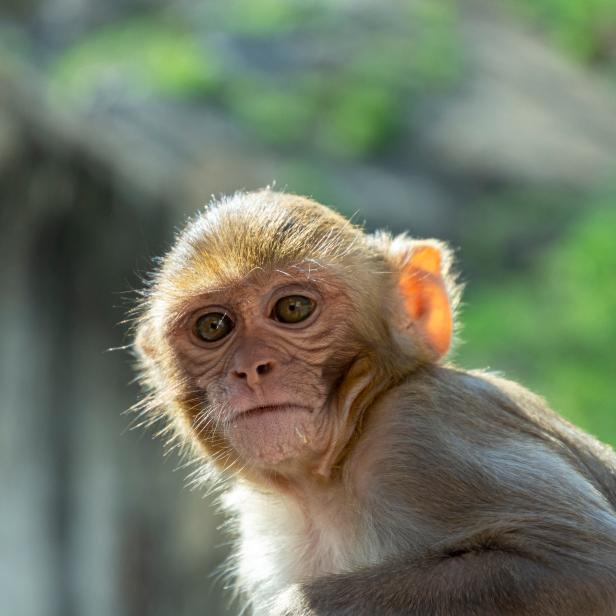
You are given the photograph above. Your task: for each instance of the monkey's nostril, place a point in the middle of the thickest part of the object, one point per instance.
(263, 369)
(254, 373)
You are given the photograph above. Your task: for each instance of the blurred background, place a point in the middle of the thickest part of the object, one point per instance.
(491, 125)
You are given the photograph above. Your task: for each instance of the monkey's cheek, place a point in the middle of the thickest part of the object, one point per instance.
(272, 438)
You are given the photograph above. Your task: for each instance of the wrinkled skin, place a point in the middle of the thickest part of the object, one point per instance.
(269, 382)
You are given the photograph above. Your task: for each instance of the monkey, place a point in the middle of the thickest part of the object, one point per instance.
(302, 362)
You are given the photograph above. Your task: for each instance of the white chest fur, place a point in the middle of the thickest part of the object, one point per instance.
(340, 527)
(283, 540)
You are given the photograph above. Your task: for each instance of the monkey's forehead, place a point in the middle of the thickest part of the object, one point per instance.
(193, 284)
(175, 298)
(262, 232)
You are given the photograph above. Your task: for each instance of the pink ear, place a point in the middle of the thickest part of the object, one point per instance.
(425, 297)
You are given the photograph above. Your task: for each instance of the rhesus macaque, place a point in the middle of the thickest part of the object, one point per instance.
(302, 361)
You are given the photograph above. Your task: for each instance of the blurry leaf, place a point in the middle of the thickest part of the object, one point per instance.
(139, 55)
(511, 230)
(361, 120)
(351, 102)
(583, 28)
(263, 17)
(436, 59)
(556, 329)
(307, 179)
(265, 62)
(278, 116)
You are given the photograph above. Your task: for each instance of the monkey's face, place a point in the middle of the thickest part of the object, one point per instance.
(272, 324)
(267, 354)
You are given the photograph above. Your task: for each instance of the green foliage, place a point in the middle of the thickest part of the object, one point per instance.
(350, 104)
(264, 17)
(360, 120)
(436, 58)
(586, 28)
(276, 115)
(143, 55)
(308, 178)
(334, 77)
(313, 178)
(508, 230)
(356, 97)
(555, 330)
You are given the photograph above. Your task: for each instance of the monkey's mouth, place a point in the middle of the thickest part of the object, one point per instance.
(271, 408)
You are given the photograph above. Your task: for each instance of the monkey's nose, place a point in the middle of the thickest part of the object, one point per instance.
(254, 373)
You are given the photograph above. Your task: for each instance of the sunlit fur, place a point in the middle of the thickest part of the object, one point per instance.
(248, 234)
(447, 492)
(251, 234)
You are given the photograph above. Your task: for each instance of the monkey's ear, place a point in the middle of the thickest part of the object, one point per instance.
(423, 271)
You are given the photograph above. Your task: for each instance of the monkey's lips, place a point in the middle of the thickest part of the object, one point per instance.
(271, 408)
(273, 433)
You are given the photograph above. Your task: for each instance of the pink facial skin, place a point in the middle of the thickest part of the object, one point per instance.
(266, 383)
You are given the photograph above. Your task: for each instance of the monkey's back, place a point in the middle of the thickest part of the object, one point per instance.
(593, 459)
(473, 441)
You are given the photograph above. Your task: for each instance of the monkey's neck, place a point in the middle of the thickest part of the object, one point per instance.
(361, 388)
(286, 537)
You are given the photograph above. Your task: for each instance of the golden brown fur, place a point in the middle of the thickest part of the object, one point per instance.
(381, 481)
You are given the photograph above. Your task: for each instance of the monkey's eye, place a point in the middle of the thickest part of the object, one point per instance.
(293, 309)
(213, 326)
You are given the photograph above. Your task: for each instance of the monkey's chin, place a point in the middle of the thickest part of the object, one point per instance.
(274, 435)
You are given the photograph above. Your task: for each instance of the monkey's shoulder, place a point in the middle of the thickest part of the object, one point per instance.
(475, 402)
(478, 402)
(478, 431)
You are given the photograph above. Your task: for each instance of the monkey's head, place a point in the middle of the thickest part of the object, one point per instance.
(273, 323)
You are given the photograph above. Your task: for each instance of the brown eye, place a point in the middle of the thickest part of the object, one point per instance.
(213, 326)
(293, 309)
